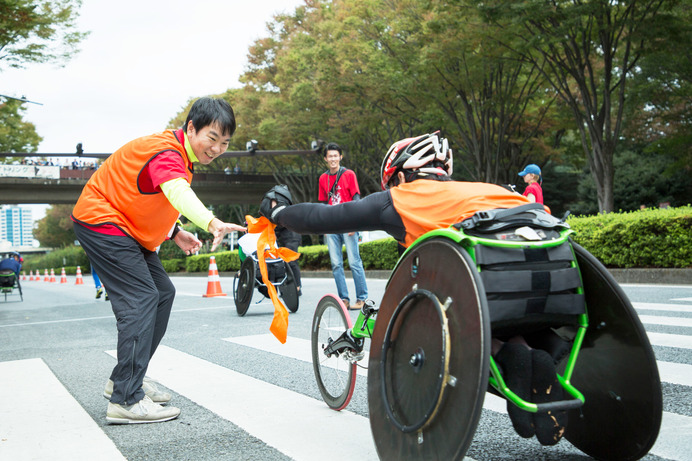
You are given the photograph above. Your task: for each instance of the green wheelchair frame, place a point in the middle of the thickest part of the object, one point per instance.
(620, 389)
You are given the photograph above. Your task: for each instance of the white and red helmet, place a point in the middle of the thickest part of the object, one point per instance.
(427, 154)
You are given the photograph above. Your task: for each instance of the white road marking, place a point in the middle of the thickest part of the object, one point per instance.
(663, 307)
(670, 321)
(40, 420)
(264, 410)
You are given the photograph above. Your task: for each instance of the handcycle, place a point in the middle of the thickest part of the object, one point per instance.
(8, 282)
(249, 277)
(500, 273)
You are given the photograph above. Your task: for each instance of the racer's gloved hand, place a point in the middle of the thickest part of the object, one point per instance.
(275, 200)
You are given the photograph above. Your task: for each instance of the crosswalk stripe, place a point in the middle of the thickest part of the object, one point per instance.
(673, 428)
(300, 349)
(661, 320)
(264, 410)
(670, 443)
(675, 373)
(669, 340)
(294, 348)
(663, 307)
(54, 426)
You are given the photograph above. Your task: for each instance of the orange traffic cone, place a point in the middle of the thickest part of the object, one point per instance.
(46, 277)
(31, 276)
(52, 275)
(23, 275)
(63, 277)
(80, 280)
(214, 283)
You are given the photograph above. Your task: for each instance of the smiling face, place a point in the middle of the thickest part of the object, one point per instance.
(333, 159)
(208, 142)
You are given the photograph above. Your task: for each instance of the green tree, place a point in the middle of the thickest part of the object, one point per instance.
(38, 31)
(16, 135)
(588, 50)
(55, 229)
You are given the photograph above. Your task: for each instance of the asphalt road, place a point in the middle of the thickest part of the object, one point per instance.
(243, 395)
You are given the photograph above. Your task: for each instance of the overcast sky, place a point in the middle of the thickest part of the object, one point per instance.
(139, 66)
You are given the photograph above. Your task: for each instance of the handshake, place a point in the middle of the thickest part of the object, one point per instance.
(278, 198)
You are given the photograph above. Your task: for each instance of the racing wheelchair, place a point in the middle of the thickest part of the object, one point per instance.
(249, 277)
(8, 282)
(496, 274)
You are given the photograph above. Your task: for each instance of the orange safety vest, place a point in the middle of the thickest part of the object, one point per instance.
(425, 205)
(120, 194)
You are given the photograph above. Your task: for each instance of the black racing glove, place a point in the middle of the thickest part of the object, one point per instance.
(282, 198)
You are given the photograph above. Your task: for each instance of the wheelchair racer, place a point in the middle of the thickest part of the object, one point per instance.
(420, 196)
(13, 263)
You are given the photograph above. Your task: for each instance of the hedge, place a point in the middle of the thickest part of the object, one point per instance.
(645, 238)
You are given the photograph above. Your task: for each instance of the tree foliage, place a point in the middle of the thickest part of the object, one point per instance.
(37, 31)
(55, 229)
(16, 135)
(588, 50)
(508, 82)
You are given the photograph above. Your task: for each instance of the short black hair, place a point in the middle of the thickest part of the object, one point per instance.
(206, 111)
(332, 146)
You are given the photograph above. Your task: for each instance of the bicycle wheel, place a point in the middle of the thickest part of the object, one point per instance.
(246, 283)
(336, 377)
(289, 290)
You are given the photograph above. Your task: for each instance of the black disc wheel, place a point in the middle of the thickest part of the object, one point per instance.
(335, 373)
(289, 290)
(242, 295)
(429, 356)
(616, 371)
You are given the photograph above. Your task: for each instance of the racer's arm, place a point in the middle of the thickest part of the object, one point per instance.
(374, 212)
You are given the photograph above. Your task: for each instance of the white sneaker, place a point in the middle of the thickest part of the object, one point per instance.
(149, 388)
(144, 411)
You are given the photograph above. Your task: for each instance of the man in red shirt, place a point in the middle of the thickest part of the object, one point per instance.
(336, 186)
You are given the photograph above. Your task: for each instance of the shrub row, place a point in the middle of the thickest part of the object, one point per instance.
(644, 238)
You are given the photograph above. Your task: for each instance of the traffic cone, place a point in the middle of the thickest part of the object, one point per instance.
(46, 277)
(214, 283)
(52, 275)
(23, 275)
(63, 277)
(80, 280)
(31, 276)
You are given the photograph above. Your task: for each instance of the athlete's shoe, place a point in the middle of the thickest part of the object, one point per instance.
(106, 296)
(144, 411)
(99, 292)
(149, 388)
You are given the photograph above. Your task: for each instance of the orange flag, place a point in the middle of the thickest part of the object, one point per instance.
(266, 246)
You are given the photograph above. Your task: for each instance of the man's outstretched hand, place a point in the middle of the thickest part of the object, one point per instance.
(219, 229)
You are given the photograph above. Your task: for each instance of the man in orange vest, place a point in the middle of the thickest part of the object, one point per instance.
(126, 210)
(420, 196)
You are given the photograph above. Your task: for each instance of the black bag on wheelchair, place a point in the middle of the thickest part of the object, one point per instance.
(7, 278)
(528, 287)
